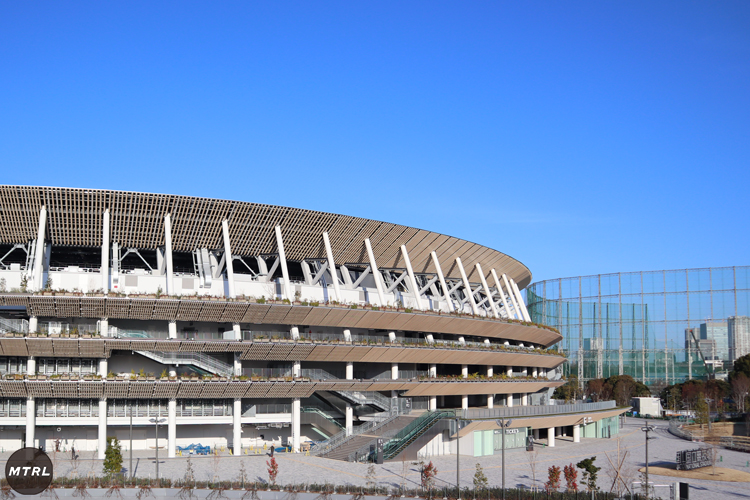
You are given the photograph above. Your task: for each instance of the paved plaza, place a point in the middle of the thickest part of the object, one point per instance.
(298, 468)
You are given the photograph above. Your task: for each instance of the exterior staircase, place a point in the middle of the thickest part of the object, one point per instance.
(196, 359)
(345, 449)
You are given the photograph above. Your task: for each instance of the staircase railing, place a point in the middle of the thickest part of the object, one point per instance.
(330, 444)
(197, 359)
(358, 397)
(411, 432)
(14, 325)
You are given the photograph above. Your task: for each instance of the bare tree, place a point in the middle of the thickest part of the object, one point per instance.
(740, 388)
(615, 470)
(533, 458)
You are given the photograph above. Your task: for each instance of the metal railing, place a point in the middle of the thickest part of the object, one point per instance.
(317, 411)
(253, 410)
(379, 420)
(268, 372)
(197, 359)
(14, 325)
(526, 411)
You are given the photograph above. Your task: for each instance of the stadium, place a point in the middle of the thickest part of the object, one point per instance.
(237, 326)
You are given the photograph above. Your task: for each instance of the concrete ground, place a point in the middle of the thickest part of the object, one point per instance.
(302, 469)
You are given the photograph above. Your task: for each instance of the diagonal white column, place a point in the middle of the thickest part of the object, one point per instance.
(487, 291)
(375, 273)
(467, 286)
(105, 253)
(39, 253)
(521, 303)
(284, 269)
(512, 296)
(168, 252)
(332, 266)
(228, 258)
(500, 292)
(443, 285)
(412, 279)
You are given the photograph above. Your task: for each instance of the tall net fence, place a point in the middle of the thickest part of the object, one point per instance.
(640, 323)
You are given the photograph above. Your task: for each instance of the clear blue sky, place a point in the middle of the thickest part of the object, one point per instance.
(580, 138)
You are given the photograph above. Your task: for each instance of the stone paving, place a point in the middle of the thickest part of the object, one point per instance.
(298, 468)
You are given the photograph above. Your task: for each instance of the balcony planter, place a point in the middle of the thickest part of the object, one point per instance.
(86, 336)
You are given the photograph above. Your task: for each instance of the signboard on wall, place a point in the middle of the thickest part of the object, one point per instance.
(693, 459)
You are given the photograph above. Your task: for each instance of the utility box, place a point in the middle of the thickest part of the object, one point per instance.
(647, 407)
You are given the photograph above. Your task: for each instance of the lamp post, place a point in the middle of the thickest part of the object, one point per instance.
(156, 422)
(130, 407)
(647, 428)
(458, 466)
(503, 425)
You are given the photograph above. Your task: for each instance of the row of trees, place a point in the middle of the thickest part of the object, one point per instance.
(621, 388)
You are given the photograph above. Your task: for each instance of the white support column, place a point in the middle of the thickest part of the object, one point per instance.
(105, 253)
(349, 411)
(524, 399)
(577, 433)
(490, 401)
(348, 335)
(102, 441)
(168, 252)
(294, 332)
(237, 364)
(173, 368)
(464, 371)
(375, 273)
(516, 309)
(412, 279)
(433, 403)
(332, 267)
(392, 336)
(521, 303)
(551, 437)
(433, 371)
(284, 270)
(30, 422)
(464, 402)
(509, 400)
(394, 371)
(297, 369)
(103, 367)
(173, 329)
(39, 254)
(295, 424)
(171, 428)
(31, 366)
(500, 292)
(490, 371)
(467, 286)
(443, 285)
(237, 428)
(33, 324)
(237, 329)
(508, 371)
(534, 372)
(104, 327)
(228, 259)
(487, 291)
(429, 338)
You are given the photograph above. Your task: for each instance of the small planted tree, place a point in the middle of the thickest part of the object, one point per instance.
(553, 479)
(571, 477)
(480, 479)
(273, 470)
(370, 477)
(590, 472)
(428, 473)
(113, 457)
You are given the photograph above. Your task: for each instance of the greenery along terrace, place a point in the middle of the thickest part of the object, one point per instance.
(398, 307)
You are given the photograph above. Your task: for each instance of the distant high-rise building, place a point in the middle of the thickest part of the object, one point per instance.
(738, 330)
(716, 331)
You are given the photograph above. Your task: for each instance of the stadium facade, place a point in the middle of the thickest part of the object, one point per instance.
(657, 326)
(243, 326)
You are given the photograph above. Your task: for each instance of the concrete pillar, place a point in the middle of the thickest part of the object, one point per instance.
(576, 433)
(31, 366)
(38, 270)
(294, 332)
(104, 327)
(349, 426)
(168, 254)
(102, 445)
(443, 285)
(349, 371)
(525, 371)
(516, 311)
(412, 280)
(30, 422)
(392, 336)
(103, 367)
(284, 269)
(172, 371)
(228, 259)
(33, 324)
(105, 253)
(171, 428)
(524, 399)
(467, 287)
(394, 371)
(461, 340)
(490, 401)
(487, 342)
(332, 267)
(237, 427)
(237, 364)
(534, 372)
(173, 329)
(429, 338)
(297, 369)
(464, 371)
(348, 335)
(509, 400)
(487, 292)
(465, 402)
(551, 437)
(500, 292)
(295, 424)
(490, 371)
(375, 273)
(237, 329)
(433, 371)
(433, 403)
(509, 371)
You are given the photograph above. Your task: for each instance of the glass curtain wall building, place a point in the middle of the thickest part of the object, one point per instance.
(645, 324)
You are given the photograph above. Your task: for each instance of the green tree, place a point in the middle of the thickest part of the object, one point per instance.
(569, 391)
(590, 472)
(701, 411)
(741, 365)
(480, 479)
(113, 456)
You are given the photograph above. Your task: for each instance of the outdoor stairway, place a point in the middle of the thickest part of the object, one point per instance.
(321, 420)
(196, 359)
(355, 442)
(409, 434)
(14, 325)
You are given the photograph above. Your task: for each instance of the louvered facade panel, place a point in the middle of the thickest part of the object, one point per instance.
(166, 389)
(233, 312)
(279, 352)
(257, 351)
(142, 308)
(276, 314)
(39, 389)
(255, 313)
(300, 352)
(258, 390)
(190, 390)
(14, 347)
(117, 390)
(167, 346)
(211, 311)
(92, 349)
(39, 347)
(236, 389)
(67, 307)
(65, 390)
(13, 388)
(65, 348)
(213, 390)
(42, 307)
(165, 309)
(297, 315)
(189, 310)
(279, 390)
(92, 307)
(117, 308)
(191, 346)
